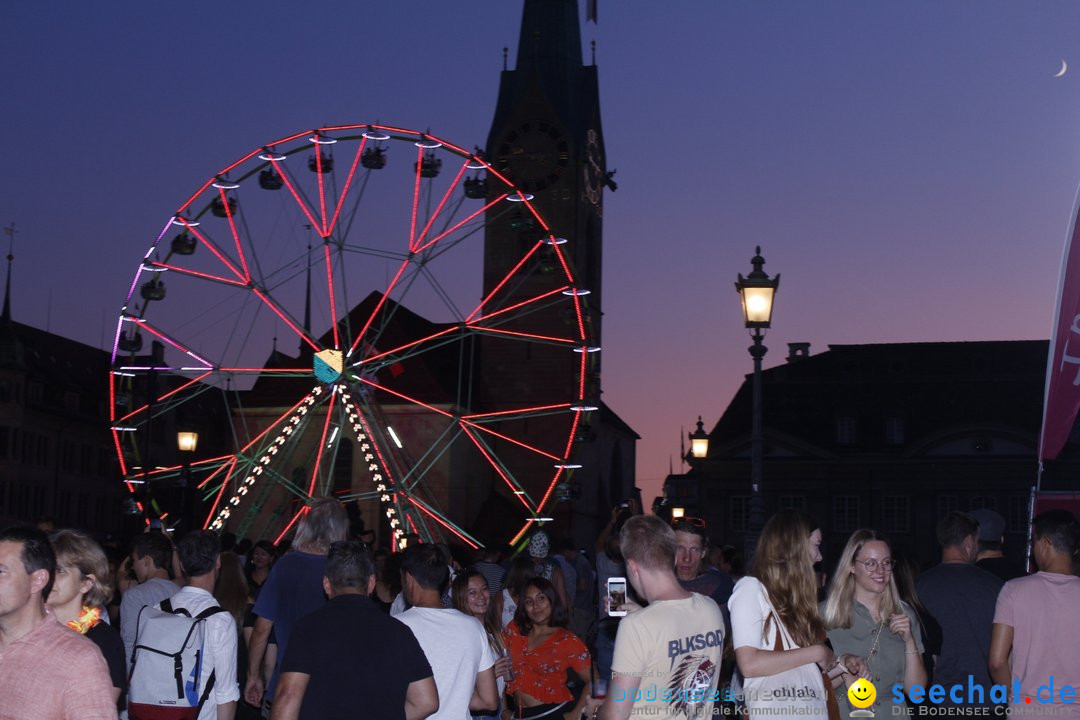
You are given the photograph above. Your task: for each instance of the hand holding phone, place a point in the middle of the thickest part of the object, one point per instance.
(616, 596)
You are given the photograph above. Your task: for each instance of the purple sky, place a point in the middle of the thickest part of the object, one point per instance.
(909, 167)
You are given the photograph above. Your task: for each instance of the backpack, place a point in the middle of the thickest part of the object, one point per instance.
(166, 663)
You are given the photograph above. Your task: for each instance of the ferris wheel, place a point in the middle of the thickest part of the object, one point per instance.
(321, 314)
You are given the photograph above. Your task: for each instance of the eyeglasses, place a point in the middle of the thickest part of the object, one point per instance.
(683, 522)
(872, 565)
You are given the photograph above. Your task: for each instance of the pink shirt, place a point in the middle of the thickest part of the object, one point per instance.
(1042, 611)
(54, 673)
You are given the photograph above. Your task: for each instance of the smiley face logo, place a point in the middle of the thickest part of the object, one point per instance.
(862, 693)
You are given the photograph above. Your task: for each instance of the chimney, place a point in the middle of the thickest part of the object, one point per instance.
(798, 351)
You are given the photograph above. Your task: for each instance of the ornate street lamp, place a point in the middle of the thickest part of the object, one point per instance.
(699, 441)
(757, 292)
(186, 442)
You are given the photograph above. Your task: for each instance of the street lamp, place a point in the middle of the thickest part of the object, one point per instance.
(186, 442)
(699, 441)
(757, 292)
(677, 512)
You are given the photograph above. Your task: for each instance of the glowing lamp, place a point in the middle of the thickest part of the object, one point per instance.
(757, 291)
(187, 441)
(677, 512)
(699, 440)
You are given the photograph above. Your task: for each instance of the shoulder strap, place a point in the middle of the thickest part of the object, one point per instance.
(209, 611)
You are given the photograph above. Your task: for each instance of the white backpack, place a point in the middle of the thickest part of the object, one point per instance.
(166, 664)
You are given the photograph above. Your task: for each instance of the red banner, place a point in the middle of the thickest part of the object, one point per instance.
(1062, 400)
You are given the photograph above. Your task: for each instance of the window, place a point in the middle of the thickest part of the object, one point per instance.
(1018, 514)
(5, 439)
(845, 430)
(793, 502)
(895, 513)
(983, 501)
(845, 513)
(740, 513)
(946, 504)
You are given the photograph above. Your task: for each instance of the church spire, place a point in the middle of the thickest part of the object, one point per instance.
(10, 231)
(550, 41)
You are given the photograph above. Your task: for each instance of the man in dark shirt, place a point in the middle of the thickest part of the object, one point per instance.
(991, 541)
(350, 659)
(960, 598)
(690, 567)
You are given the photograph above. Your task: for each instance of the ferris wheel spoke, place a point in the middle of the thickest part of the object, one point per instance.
(500, 470)
(395, 355)
(415, 242)
(301, 202)
(507, 438)
(460, 224)
(224, 199)
(473, 320)
(378, 307)
(322, 443)
(143, 323)
(405, 397)
(518, 413)
(332, 225)
(544, 339)
(196, 273)
(439, 518)
(220, 492)
(164, 397)
(550, 489)
(284, 318)
(330, 291)
(213, 248)
(506, 279)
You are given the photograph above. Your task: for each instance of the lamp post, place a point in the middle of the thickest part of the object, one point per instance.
(699, 441)
(757, 291)
(186, 442)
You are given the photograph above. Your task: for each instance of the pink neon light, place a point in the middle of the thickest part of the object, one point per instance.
(520, 533)
(268, 371)
(581, 381)
(221, 467)
(435, 516)
(323, 231)
(112, 399)
(415, 199)
(509, 439)
(551, 487)
(378, 307)
(414, 401)
(303, 336)
(515, 306)
(119, 452)
(573, 434)
(330, 287)
(322, 444)
(274, 424)
(220, 492)
(409, 345)
(235, 234)
(296, 196)
(196, 273)
(166, 395)
(174, 343)
(514, 333)
(468, 219)
(345, 189)
(442, 203)
(502, 282)
(291, 523)
(520, 411)
(498, 469)
(116, 336)
(213, 248)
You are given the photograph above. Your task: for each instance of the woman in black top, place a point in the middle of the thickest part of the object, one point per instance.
(80, 591)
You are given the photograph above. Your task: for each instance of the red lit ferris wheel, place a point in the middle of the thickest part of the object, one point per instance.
(320, 313)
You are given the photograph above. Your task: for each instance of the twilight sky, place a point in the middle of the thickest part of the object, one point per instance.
(909, 167)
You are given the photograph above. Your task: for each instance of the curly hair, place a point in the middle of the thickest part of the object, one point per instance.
(782, 564)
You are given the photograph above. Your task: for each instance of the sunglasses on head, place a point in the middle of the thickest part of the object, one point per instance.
(687, 522)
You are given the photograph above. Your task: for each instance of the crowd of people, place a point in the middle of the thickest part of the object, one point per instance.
(207, 628)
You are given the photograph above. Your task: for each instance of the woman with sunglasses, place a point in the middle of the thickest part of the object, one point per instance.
(865, 616)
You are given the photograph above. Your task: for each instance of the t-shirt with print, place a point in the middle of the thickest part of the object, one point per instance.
(673, 647)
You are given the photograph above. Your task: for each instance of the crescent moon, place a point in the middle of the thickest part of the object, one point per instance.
(1064, 67)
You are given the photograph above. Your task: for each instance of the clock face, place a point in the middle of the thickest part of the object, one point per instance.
(534, 155)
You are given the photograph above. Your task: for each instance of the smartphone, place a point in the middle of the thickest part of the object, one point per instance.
(616, 593)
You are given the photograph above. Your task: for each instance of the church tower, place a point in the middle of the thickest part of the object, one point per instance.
(546, 137)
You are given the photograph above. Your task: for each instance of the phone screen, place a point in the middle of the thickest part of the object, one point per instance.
(616, 589)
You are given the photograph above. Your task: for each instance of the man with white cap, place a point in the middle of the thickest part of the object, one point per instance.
(543, 566)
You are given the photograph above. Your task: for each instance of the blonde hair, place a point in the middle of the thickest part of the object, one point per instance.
(782, 564)
(841, 598)
(78, 550)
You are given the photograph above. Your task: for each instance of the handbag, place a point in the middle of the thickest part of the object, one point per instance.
(830, 697)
